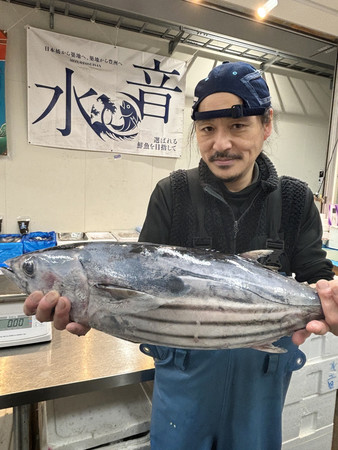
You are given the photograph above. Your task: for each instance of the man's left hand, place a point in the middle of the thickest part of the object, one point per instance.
(328, 293)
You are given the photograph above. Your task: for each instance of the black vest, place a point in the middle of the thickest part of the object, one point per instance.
(273, 221)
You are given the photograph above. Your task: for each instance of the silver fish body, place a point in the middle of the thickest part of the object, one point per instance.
(170, 296)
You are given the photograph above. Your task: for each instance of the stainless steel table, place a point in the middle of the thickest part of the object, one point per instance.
(67, 365)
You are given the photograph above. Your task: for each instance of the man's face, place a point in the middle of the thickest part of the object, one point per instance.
(230, 146)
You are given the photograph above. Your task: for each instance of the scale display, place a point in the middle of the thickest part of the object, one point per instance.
(15, 323)
(19, 329)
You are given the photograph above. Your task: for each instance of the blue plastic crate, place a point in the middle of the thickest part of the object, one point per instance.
(38, 240)
(10, 247)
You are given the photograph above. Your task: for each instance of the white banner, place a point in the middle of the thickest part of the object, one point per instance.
(92, 96)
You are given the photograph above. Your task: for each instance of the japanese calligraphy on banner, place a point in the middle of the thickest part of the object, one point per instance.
(3, 135)
(92, 96)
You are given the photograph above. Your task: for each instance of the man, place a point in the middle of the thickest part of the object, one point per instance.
(233, 202)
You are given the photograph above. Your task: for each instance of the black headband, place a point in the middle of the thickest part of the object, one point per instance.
(236, 111)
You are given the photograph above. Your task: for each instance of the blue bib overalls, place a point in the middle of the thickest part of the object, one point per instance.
(220, 399)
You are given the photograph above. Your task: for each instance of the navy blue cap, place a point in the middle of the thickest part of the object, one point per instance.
(238, 78)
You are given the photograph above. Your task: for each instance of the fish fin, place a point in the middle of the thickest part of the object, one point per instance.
(256, 254)
(270, 348)
(124, 300)
(273, 268)
(310, 285)
(117, 292)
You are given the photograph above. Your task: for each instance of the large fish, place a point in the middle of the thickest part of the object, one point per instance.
(170, 296)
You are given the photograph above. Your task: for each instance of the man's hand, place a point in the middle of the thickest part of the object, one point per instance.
(328, 293)
(52, 307)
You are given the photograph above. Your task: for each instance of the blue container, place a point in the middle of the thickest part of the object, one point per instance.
(38, 240)
(10, 246)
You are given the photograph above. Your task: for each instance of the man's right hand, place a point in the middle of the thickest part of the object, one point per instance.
(53, 307)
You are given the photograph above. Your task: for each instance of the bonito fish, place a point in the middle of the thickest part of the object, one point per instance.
(170, 296)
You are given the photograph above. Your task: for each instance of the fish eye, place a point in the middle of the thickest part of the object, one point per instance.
(28, 267)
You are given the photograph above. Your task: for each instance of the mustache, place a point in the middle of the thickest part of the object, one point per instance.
(226, 154)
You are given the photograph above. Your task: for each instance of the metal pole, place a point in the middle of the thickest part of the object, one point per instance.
(21, 418)
(330, 187)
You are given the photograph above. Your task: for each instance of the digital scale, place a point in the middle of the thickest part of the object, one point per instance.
(18, 329)
(15, 327)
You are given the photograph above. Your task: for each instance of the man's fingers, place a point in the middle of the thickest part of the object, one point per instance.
(45, 311)
(77, 328)
(328, 293)
(318, 327)
(299, 337)
(61, 314)
(53, 307)
(32, 302)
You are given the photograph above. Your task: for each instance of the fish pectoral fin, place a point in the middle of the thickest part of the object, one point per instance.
(117, 292)
(254, 255)
(270, 348)
(124, 300)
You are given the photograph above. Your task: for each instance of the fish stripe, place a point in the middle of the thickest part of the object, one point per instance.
(207, 342)
(229, 337)
(228, 332)
(191, 316)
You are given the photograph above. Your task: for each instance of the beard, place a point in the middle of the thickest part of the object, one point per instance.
(229, 179)
(226, 154)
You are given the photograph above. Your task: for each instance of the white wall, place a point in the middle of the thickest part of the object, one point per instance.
(67, 190)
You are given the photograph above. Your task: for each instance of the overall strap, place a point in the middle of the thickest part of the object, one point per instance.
(275, 240)
(274, 212)
(294, 198)
(285, 207)
(201, 238)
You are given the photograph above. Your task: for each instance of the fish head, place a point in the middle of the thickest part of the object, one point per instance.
(46, 270)
(127, 109)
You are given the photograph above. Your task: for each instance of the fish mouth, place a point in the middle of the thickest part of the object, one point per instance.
(8, 271)
(10, 274)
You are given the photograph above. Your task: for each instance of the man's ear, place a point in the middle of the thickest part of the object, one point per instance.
(268, 125)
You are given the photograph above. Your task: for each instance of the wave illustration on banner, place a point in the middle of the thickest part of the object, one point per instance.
(114, 119)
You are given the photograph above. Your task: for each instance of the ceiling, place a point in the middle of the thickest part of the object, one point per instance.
(318, 17)
(287, 39)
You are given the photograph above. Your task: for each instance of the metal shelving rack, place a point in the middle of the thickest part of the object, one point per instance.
(175, 34)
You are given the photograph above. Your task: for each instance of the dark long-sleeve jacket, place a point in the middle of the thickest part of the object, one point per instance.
(190, 201)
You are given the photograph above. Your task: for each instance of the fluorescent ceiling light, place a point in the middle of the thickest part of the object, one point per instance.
(263, 10)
